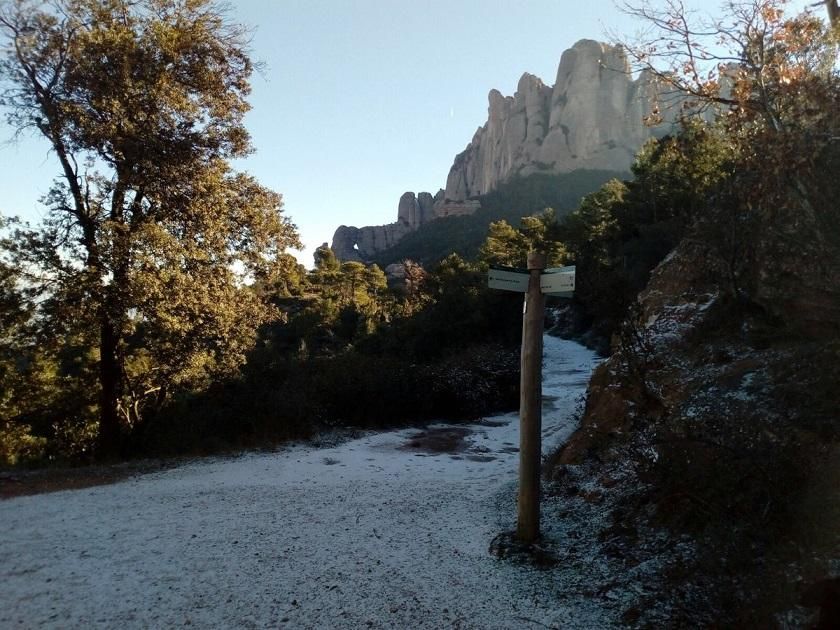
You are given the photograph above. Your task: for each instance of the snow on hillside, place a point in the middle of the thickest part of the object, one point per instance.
(379, 532)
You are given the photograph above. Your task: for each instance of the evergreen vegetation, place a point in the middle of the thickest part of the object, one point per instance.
(747, 205)
(135, 277)
(162, 303)
(622, 231)
(156, 311)
(517, 198)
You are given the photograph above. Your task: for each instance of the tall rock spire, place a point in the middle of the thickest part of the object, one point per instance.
(592, 118)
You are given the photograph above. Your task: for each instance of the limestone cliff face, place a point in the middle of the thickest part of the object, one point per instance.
(414, 211)
(592, 118)
(362, 244)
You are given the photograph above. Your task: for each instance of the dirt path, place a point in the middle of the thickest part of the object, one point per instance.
(21, 483)
(387, 531)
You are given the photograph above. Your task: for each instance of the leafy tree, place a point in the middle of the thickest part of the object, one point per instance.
(774, 82)
(150, 233)
(15, 437)
(284, 278)
(325, 260)
(505, 245)
(352, 274)
(591, 231)
(361, 299)
(622, 231)
(773, 78)
(508, 246)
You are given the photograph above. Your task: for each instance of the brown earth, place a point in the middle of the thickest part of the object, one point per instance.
(19, 483)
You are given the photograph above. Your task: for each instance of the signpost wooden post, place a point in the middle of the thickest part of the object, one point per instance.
(530, 404)
(535, 283)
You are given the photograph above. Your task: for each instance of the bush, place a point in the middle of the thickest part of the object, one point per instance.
(18, 445)
(296, 399)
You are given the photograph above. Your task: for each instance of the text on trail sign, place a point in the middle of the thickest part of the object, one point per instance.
(556, 282)
(508, 279)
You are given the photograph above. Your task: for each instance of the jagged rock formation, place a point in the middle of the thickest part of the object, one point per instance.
(593, 118)
(415, 210)
(362, 244)
(352, 243)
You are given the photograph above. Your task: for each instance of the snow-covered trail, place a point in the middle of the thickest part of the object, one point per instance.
(371, 533)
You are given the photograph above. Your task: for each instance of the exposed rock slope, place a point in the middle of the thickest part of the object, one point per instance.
(592, 118)
(718, 416)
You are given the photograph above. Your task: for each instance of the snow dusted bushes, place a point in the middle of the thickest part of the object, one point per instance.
(294, 400)
(726, 418)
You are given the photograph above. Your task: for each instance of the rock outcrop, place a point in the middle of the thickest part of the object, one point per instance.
(362, 244)
(415, 211)
(592, 118)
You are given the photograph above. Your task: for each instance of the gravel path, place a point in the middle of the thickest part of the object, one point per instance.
(379, 532)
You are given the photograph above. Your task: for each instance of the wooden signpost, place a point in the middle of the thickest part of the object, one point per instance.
(536, 282)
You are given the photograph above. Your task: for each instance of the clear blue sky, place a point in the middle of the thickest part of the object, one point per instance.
(362, 100)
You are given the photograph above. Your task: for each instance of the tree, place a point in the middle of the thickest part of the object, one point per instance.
(506, 245)
(150, 234)
(772, 79)
(325, 259)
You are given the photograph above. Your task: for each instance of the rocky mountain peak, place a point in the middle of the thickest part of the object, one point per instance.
(592, 118)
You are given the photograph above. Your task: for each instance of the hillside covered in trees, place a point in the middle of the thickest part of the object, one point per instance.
(710, 435)
(156, 311)
(521, 196)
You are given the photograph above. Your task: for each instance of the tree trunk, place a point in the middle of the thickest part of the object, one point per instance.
(833, 11)
(109, 381)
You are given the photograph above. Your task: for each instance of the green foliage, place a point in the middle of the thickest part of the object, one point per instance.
(459, 311)
(18, 445)
(325, 260)
(735, 432)
(355, 353)
(622, 231)
(294, 399)
(510, 247)
(149, 234)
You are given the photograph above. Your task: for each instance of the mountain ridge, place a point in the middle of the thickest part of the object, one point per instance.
(592, 118)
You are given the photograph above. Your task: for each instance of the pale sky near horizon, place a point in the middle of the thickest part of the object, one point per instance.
(360, 101)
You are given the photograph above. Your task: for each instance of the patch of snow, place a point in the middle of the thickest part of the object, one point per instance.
(669, 257)
(365, 533)
(673, 321)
